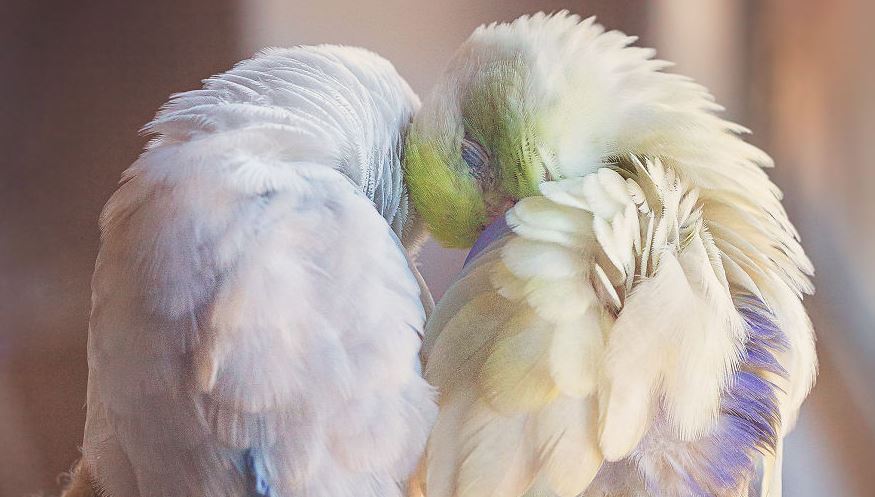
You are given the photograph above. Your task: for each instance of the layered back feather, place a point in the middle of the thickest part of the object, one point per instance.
(638, 328)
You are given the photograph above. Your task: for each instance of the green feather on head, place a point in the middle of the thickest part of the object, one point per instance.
(457, 199)
(449, 200)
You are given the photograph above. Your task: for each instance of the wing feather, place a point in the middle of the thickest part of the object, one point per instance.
(584, 348)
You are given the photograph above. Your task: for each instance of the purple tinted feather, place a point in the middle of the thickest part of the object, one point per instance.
(723, 462)
(760, 358)
(494, 231)
(750, 416)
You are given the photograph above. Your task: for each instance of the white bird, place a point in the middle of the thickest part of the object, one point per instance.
(629, 321)
(256, 322)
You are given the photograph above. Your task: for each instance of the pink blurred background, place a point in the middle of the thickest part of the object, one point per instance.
(80, 78)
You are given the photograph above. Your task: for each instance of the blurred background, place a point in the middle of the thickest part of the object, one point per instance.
(80, 79)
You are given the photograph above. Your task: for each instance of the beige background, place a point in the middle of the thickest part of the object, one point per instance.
(80, 78)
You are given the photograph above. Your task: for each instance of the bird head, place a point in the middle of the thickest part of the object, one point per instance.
(520, 103)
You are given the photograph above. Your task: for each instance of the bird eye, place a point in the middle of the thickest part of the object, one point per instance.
(475, 155)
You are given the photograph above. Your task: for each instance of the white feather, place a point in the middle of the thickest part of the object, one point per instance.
(251, 298)
(565, 439)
